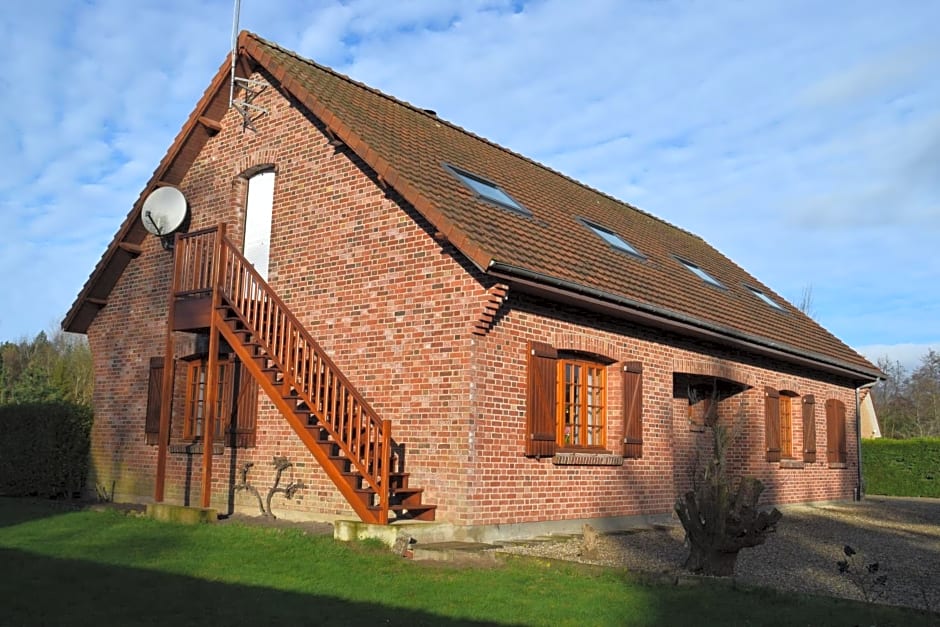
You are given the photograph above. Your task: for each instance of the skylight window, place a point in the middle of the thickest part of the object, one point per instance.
(694, 269)
(488, 191)
(764, 297)
(612, 238)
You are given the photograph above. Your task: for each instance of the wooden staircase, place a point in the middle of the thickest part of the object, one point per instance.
(345, 435)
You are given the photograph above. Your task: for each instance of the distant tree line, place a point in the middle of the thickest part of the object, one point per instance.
(46, 369)
(908, 404)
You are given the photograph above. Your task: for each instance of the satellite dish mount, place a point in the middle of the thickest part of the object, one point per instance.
(163, 213)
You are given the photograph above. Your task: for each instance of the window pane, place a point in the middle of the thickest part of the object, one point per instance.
(764, 297)
(489, 191)
(701, 273)
(582, 412)
(612, 238)
(786, 430)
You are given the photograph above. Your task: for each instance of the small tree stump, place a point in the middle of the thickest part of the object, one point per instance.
(590, 540)
(720, 516)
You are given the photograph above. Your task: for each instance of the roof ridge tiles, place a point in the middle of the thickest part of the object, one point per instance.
(424, 112)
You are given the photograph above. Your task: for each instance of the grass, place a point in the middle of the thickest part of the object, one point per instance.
(93, 568)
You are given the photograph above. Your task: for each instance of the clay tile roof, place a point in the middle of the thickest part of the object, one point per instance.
(408, 148)
(553, 242)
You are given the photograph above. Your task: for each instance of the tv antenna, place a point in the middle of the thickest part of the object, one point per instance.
(251, 89)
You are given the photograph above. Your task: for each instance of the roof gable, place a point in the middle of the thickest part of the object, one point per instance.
(415, 152)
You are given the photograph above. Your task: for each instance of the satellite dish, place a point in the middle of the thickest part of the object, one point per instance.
(164, 211)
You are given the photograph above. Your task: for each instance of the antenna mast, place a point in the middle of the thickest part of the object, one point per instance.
(251, 88)
(231, 82)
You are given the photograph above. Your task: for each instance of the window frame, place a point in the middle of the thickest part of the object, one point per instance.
(701, 273)
(583, 393)
(236, 402)
(785, 417)
(618, 244)
(194, 410)
(467, 179)
(764, 297)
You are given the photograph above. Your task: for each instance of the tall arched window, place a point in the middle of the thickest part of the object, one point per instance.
(258, 213)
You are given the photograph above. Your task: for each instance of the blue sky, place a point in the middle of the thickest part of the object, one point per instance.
(802, 139)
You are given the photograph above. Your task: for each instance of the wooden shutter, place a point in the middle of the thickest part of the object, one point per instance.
(246, 407)
(835, 431)
(633, 409)
(154, 400)
(772, 424)
(540, 400)
(194, 404)
(809, 428)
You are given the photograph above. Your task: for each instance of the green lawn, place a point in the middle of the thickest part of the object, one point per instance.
(61, 567)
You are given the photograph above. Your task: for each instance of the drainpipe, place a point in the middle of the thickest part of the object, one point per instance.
(859, 492)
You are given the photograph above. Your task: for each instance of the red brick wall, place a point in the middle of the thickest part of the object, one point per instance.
(509, 486)
(397, 311)
(358, 267)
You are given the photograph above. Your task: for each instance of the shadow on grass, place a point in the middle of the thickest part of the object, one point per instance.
(39, 590)
(15, 510)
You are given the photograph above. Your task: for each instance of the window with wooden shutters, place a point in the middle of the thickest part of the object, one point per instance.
(835, 432)
(772, 424)
(633, 409)
(540, 400)
(154, 400)
(582, 403)
(809, 428)
(236, 412)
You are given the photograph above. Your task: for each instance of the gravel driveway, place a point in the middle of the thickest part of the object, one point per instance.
(902, 535)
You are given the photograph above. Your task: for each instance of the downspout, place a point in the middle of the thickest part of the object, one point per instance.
(859, 491)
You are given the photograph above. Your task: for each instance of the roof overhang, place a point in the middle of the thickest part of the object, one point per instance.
(126, 244)
(597, 301)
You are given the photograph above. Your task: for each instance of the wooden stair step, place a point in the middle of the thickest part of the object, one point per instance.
(407, 496)
(412, 512)
(366, 495)
(318, 406)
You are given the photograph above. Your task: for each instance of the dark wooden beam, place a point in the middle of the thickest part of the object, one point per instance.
(101, 302)
(130, 247)
(210, 125)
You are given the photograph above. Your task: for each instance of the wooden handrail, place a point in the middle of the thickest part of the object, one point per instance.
(362, 436)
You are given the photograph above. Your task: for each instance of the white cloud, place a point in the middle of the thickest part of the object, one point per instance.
(800, 138)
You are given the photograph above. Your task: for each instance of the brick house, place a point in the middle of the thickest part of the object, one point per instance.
(427, 325)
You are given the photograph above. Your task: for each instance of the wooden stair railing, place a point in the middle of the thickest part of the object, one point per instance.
(346, 436)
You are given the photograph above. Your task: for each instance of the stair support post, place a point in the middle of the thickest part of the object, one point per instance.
(166, 394)
(385, 458)
(212, 373)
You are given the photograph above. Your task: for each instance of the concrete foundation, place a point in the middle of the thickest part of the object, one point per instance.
(181, 514)
(434, 532)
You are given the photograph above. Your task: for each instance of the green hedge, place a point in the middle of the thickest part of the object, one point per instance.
(44, 448)
(902, 467)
